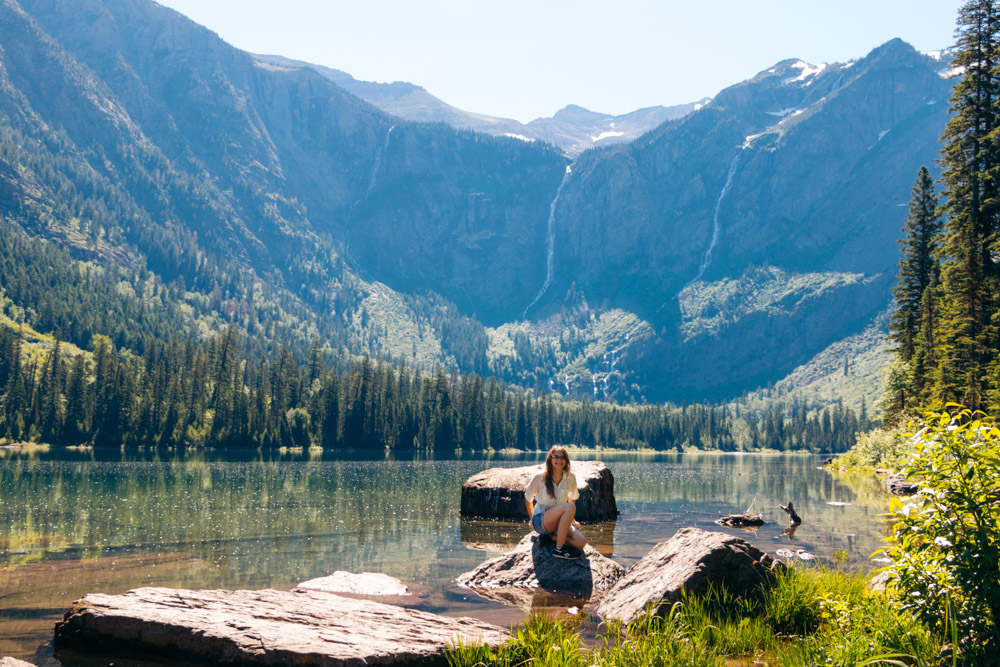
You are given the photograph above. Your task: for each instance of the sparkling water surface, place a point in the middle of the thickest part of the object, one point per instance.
(74, 522)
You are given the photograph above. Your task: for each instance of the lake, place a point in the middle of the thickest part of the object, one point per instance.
(73, 522)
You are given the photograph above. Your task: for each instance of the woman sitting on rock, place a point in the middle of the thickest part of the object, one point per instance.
(551, 500)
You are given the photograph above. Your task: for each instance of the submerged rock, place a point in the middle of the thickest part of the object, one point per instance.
(264, 628)
(531, 573)
(691, 560)
(899, 486)
(499, 492)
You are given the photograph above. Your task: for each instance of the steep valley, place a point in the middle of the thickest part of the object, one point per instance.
(720, 253)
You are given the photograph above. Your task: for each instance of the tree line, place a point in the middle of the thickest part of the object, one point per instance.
(223, 393)
(946, 328)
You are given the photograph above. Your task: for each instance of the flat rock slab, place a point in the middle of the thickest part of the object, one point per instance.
(691, 560)
(265, 628)
(14, 662)
(531, 573)
(498, 493)
(368, 586)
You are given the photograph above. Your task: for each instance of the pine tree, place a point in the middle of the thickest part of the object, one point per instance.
(970, 160)
(918, 270)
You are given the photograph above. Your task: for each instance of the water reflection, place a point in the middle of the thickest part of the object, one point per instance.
(88, 521)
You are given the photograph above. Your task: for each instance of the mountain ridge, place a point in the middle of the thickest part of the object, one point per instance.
(572, 128)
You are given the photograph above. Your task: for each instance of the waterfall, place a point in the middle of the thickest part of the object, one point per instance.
(706, 259)
(551, 242)
(376, 168)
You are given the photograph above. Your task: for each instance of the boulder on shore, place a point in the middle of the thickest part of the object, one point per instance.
(691, 560)
(498, 493)
(531, 572)
(264, 628)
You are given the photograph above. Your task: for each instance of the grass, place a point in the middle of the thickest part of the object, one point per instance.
(810, 617)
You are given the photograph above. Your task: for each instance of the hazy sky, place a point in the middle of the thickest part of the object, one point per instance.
(524, 59)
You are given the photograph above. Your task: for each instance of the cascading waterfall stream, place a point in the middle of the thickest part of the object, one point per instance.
(376, 168)
(551, 242)
(706, 258)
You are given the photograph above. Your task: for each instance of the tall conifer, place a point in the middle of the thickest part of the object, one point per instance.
(918, 270)
(970, 160)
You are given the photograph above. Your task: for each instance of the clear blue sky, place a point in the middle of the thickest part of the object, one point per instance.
(528, 58)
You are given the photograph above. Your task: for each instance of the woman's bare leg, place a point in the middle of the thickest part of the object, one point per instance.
(575, 538)
(558, 519)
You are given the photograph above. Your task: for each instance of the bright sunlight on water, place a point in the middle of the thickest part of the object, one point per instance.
(73, 523)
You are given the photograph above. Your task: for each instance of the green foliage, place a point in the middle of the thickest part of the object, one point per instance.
(811, 617)
(947, 538)
(879, 448)
(863, 629)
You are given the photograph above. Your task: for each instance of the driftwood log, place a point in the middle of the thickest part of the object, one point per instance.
(745, 519)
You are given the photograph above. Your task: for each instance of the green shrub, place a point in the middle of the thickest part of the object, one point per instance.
(946, 539)
(878, 448)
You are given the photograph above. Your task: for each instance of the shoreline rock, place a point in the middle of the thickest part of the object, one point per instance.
(691, 560)
(264, 627)
(498, 493)
(530, 573)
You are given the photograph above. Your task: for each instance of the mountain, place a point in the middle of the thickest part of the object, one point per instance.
(573, 128)
(713, 255)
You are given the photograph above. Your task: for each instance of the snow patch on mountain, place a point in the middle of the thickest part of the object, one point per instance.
(518, 136)
(784, 112)
(606, 134)
(807, 71)
(951, 72)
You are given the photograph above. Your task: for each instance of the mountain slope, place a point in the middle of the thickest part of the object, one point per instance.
(711, 256)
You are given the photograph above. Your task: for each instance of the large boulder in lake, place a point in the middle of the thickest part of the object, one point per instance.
(498, 493)
(264, 628)
(691, 560)
(530, 572)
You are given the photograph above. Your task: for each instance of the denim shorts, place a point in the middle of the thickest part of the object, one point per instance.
(537, 523)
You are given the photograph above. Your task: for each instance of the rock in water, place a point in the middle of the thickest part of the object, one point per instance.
(14, 662)
(264, 628)
(498, 493)
(899, 486)
(531, 571)
(691, 560)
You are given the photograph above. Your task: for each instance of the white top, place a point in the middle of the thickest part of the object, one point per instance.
(565, 491)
